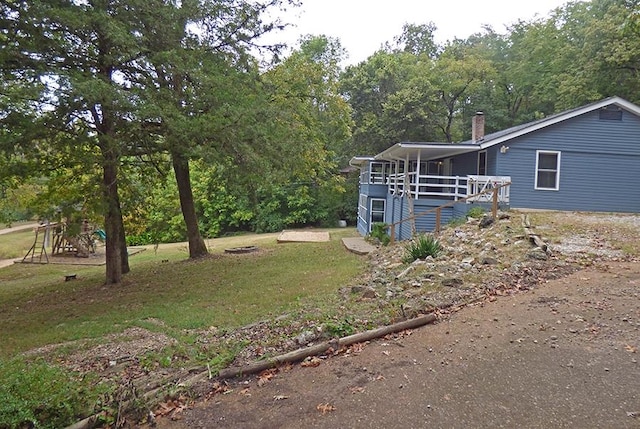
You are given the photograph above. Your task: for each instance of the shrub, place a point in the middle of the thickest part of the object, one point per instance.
(379, 232)
(476, 212)
(421, 247)
(339, 329)
(40, 395)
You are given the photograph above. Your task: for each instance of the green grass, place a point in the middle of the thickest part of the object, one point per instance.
(164, 292)
(36, 394)
(16, 244)
(38, 307)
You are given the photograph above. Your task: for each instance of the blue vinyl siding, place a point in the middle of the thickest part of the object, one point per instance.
(374, 191)
(599, 171)
(492, 161)
(465, 164)
(599, 167)
(426, 223)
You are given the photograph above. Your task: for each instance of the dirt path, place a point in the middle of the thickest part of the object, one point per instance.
(18, 227)
(561, 355)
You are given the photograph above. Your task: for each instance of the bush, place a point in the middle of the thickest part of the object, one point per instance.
(421, 247)
(339, 329)
(476, 212)
(36, 394)
(379, 232)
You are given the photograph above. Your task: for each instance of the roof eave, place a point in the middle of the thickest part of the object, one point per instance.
(399, 151)
(560, 118)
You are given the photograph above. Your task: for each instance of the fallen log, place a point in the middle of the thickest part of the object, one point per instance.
(273, 362)
(386, 330)
(301, 354)
(290, 357)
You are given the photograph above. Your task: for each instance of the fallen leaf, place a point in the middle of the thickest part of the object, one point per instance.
(356, 348)
(325, 408)
(280, 398)
(171, 406)
(405, 333)
(357, 389)
(386, 353)
(220, 387)
(311, 362)
(245, 392)
(287, 366)
(630, 348)
(266, 376)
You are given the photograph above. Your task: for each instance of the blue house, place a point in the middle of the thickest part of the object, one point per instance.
(585, 159)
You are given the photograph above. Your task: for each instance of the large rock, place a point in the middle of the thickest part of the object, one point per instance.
(486, 221)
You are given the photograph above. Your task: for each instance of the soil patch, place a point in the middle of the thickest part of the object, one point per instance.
(525, 339)
(561, 355)
(97, 258)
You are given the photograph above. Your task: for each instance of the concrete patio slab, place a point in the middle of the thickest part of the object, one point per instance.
(303, 236)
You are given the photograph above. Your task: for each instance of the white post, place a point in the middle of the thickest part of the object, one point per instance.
(417, 176)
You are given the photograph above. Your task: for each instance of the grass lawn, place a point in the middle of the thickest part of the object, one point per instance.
(165, 293)
(16, 244)
(38, 307)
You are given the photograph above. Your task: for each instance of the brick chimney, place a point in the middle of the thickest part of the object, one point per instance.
(477, 127)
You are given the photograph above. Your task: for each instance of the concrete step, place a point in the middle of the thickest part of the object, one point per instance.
(358, 245)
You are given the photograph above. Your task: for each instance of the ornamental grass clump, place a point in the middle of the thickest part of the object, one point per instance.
(421, 247)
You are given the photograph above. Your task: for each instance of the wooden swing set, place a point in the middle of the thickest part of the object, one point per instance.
(57, 235)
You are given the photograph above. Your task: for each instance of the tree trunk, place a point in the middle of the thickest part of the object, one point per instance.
(197, 248)
(112, 219)
(124, 254)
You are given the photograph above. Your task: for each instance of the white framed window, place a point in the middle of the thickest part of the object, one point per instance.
(378, 173)
(547, 170)
(377, 211)
(362, 207)
(482, 163)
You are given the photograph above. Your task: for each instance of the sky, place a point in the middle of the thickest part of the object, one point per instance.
(364, 25)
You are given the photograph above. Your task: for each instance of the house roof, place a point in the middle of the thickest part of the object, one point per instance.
(519, 130)
(434, 150)
(425, 151)
(357, 161)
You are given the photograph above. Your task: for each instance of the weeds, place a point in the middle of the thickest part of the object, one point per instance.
(379, 232)
(36, 394)
(339, 329)
(420, 248)
(476, 212)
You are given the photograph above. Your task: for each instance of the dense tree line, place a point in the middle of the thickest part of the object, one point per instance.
(159, 120)
(416, 90)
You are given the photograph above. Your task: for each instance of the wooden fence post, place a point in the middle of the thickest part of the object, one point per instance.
(438, 214)
(392, 233)
(494, 209)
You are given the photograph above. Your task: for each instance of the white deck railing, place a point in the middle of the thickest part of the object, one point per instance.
(478, 184)
(449, 187)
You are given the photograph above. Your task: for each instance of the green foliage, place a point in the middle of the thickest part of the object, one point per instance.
(379, 232)
(476, 212)
(338, 329)
(37, 394)
(421, 247)
(456, 221)
(16, 202)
